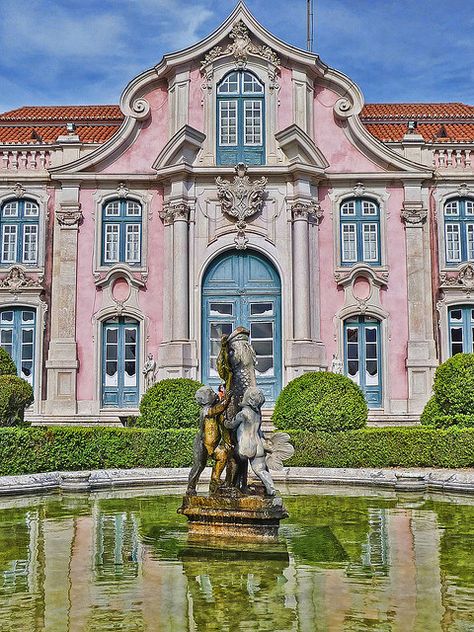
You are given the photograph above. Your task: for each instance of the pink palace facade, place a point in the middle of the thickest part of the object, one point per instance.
(240, 181)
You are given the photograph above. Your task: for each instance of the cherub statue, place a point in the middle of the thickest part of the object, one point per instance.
(212, 439)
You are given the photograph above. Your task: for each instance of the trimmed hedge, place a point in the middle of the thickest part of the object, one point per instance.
(7, 366)
(170, 403)
(320, 400)
(29, 450)
(15, 395)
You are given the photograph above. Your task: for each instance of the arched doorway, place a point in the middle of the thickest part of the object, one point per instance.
(243, 288)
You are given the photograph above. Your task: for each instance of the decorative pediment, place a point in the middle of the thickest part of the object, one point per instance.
(298, 147)
(182, 149)
(377, 277)
(463, 279)
(240, 48)
(17, 281)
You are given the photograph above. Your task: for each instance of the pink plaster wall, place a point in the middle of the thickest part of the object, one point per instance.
(196, 110)
(153, 135)
(393, 299)
(285, 98)
(330, 137)
(89, 298)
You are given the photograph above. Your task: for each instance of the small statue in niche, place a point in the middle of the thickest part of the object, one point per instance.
(212, 440)
(337, 365)
(149, 371)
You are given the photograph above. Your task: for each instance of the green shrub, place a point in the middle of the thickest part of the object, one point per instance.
(454, 384)
(7, 366)
(15, 395)
(170, 404)
(457, 419)
(431, 410)
(320, 401)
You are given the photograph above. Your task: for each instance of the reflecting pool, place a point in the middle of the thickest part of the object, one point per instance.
(348, 559)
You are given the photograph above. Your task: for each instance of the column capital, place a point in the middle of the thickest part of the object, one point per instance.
(414, 214)
(306, 211)
(69, 215)
(175, 211)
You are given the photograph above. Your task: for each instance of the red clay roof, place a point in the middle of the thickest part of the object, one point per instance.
(417, 111)
(68, 113)
(431, 132)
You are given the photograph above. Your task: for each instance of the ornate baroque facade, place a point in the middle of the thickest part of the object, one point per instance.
(241, 181)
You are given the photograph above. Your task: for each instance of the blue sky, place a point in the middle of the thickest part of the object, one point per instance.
(85, 51)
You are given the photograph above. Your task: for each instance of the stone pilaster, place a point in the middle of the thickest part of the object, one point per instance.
(305, 352)
(421, 352)
(62, 363)
(177, 354)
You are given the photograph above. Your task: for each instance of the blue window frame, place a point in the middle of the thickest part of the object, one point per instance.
(19, 230)
(17, 337)
(461, 329)
(122, 232)
(240, 119)
(360, 232)
(362, 357)
(459, 230)
(120, 366)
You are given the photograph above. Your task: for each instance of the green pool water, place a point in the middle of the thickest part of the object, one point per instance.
(348, 559)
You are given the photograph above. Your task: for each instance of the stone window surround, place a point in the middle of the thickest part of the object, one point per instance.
(221, 67)
(41, 197)
(441, 197)
(101, 198)
(451, 298)
(338, 196)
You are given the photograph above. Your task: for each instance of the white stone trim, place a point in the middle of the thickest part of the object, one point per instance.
(444, 192)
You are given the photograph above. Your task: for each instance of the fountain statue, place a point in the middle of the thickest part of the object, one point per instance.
(230, 433)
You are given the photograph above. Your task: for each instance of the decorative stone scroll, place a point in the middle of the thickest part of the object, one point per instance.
(240, 49)
(463, 279)
(69, 215)
(413, 214)
(16, 281)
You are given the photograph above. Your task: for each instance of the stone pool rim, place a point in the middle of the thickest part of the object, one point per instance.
(460, 481)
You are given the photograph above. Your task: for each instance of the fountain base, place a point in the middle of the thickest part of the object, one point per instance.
(252, 517)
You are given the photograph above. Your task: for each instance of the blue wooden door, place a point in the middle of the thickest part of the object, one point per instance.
(17, 337)
(362, 357)
(243, 288)
(120, 370)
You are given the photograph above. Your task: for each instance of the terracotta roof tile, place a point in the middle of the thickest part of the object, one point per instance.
(48, 134)
(417, 111)
(431, 132)
(69, 113)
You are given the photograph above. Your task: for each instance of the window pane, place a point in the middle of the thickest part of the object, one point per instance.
(261, 330)
(253, 122)
(264, 366)
(10, 209)
(30, 243)
(455, 314)
(229, 85)
(113, 208)
(228, 122)
(9, 243)
(250, 84)
(111, 335)
(469, 207)
(453, 247)
(111, 242)
(348, 208)
(470, 241)
(370, 245)
(6, 317)
(352, 351)
(451, 208)
(221, 309)
(133, 208)
(352, 334)
(263, 348)
(132, 254)
(220, 329)
(349, 242)
(31, 209)
(261, 309)
(369, 208)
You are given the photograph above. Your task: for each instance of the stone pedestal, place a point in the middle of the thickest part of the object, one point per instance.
(250, 518)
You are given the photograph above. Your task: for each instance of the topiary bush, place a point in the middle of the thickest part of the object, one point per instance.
(453, 400)
(15, 395)
(320, 401)
(7, 366)
(170, 404)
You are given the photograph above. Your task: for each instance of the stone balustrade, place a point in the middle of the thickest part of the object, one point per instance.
(24, 160)
(453, 158)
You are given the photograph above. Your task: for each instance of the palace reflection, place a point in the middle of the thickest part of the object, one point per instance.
(344, 562)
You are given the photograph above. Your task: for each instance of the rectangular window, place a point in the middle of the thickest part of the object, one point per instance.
(132, 241)
(470, 241)
(228, 122)
(9, 243)
(453, 243)
(349, 243)
(30, 243)
(111, 254)
(469, 207)
(370, 242)
(253, 122)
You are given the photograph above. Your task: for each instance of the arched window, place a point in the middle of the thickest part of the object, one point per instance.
(122, 232)
(19, 224)
(459, 230)
(17, 337)
(360, 232)
(461, 329)
(240, 119)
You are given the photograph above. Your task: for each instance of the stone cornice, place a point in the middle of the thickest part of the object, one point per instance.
(17, 281)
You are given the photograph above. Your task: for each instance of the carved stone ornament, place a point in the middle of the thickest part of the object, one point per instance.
(414, 214)
(122, 190)
(464, 190)
(241, 198)
(359, 189)
(463, 279)
(18, 190)
(175, 211)
(240, 48)
(16, 281)
(307, 210)
(69, 216)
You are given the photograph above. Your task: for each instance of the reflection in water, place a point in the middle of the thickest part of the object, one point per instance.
(122, 561)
